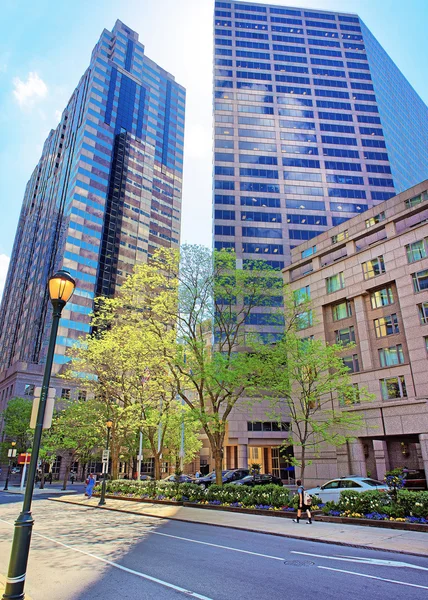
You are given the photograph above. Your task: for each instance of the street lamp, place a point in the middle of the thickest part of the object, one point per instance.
(11, 453)
(102, 501)
(61, 288)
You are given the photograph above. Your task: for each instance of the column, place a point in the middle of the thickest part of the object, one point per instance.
(381, 458)
(357, 461)
(242, 456)
(363, 333)
(423, 441)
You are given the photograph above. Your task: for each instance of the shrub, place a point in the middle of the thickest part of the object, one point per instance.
(363, 502)
(413, 503)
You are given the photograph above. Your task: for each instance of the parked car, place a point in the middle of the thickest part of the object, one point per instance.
(145, 478)
(330, 491)
(228, 477)
(179, 479)
(15, 470)
(263, 479)
(415, 479)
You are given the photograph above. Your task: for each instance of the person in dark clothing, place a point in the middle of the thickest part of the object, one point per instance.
(49, 477)
(304, 503)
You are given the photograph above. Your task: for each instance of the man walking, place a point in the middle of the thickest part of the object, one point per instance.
(305, 502)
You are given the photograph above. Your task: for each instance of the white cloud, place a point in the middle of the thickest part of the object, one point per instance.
(58, 114)
(197, 141)
(27, 92)
(4, 264)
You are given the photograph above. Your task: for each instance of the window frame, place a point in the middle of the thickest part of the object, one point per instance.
(367, 270)
(341, 280)
(401, 383)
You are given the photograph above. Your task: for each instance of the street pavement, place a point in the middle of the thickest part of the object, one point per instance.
(79, 553)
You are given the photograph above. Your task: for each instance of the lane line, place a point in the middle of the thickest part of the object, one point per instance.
(122, 568)
(365, 561)
(177, 537)
(422, 587)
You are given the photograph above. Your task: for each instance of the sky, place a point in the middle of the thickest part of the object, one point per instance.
(46, 45)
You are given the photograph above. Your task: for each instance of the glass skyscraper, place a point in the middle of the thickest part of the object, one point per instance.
(104, 195)
(313, 124)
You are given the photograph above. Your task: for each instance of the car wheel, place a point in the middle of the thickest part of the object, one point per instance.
(203, 486)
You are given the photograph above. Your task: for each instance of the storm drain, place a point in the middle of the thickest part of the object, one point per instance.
(298, 563)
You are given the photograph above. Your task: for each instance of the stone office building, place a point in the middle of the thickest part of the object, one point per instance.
(368, 284)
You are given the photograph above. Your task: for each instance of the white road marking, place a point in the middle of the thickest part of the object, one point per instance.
(366, 561)
(122, 568)
(422, 587)
(177, 537)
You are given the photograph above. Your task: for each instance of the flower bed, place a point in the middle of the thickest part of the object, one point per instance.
(403, 506)
(271, 498)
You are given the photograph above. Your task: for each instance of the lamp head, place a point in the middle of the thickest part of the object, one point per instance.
(61, 286)
(109, 424)
(13, 444)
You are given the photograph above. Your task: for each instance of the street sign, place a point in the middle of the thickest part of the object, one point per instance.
(106, 455)
(140, 457)
(11, 453)
(50, 402)
(24, 459)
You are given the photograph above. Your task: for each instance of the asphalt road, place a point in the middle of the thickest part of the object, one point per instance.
(80, 553)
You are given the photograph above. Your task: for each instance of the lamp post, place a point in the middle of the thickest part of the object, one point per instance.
(61, 287)
(102, 501)
(11, 453)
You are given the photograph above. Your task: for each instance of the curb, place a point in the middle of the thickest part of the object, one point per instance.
(249, 529)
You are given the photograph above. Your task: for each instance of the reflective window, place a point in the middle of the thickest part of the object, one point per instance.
(393, 387)
(343, 310)
(389, 357)
(352, 363)
(385, 326)
(423, 312)
(420, 280)
(345, 336)
(382, 297)
(373, 267)
(416, 251)
(335, 282)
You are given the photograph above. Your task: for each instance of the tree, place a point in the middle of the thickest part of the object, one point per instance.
(77, 431)
(308, 378)
(183, 301)
(16, 417)
(181, 416)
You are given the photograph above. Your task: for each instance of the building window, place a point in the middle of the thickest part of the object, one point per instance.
(302, 295)
(375, 220)
(423, 312)
(342, 311)
(309, 252)
(352, 363)
(351, 397)
(386, 326)
(339, 237)
(335, 282)
(426, 343)
(29, 389)
(382, 297)
(267, 426)
(393, 387)
(81, 395)
(416, 200)
(304, 320)
(416, 251)
(65, 393)
(420, 280)
(345, 336)
(373, 267)
(389, 357)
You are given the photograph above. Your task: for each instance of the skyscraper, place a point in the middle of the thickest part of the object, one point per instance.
(314, 124)
(104, 195)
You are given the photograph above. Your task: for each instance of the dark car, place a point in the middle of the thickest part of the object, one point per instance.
(415, 479)
(264, 479)
(228, 477)
(179, 479)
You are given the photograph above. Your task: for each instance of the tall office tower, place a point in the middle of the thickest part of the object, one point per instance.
(314, 124)
(104, 195)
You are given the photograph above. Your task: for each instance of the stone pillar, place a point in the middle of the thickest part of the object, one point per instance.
(242, 456)
(363, 333)
(423, 441)
(357, 461)
(381, 458)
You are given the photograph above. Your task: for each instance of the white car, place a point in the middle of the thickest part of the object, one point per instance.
(330, 491)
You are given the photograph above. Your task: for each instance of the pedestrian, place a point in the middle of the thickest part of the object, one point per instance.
(49, 477)
(305, 502)
(72, 477)
(90, 482)
(197, 474)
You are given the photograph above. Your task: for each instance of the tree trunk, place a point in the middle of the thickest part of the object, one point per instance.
(303, 465)
(67, 472)
(114, 461)
(177, 464)
(218, 462)
(157, 465)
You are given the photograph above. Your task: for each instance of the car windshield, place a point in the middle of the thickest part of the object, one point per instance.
(372, 482)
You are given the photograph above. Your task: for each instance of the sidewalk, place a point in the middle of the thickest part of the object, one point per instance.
(38, 492)
(409, 542)
(3, 585)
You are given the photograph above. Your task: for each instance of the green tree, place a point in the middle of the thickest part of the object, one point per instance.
(16, 418)
(183, 300)
(308, 379)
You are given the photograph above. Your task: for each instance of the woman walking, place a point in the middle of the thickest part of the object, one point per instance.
(90, 482)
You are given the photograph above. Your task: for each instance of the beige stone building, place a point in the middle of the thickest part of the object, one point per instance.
(368, 283)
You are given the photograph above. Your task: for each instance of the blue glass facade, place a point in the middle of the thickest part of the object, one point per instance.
(315, 93)
(104, 195)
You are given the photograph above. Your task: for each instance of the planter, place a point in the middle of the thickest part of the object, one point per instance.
(246, 511)
(144, 500)
(374, 523)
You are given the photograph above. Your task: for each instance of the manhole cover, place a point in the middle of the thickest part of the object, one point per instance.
(299, 563)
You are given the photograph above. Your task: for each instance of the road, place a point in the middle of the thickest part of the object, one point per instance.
(80, 553)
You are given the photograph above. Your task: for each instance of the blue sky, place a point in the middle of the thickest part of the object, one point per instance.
(45, 47)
